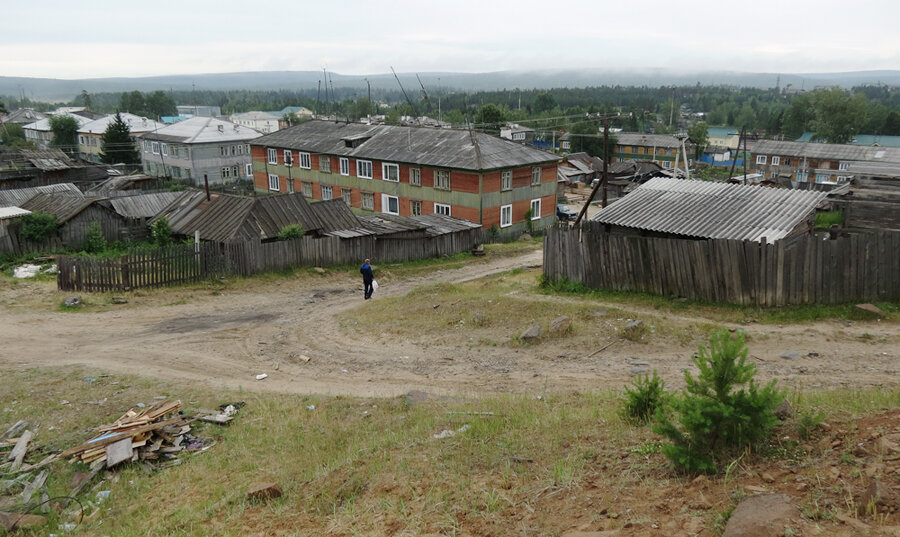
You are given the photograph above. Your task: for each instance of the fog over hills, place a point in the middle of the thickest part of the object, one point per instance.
(51, 89)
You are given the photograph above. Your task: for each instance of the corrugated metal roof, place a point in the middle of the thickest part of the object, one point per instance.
(144, 205)
(43, 125)
(63, 206)
(202, 130)
(827, 151)
(12, 212)
(649, 140)
(712, 210)
(18, 196)
(136, 124)
(447, 148)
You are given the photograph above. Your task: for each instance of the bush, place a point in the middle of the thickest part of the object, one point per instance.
(94, 241)
(37, 227)
(161, 232)
(649, 395)
(714, 417)
(293, 231)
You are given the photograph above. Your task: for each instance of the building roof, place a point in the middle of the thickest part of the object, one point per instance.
(12, 212)
(828, 151)
(388, 224)
(721, 132)
(335, 215)
(18, 196)
(296, 110)
(256, 116)
(136, 124)
(712, 210)
(202, 130)
(439, 224)
(144, 205)
(65, 207)
(43, 125)
(23, 115)
(648, 140)
(48, 159)
(447, 148)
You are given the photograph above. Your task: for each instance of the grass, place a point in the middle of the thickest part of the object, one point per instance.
(358, 466)
(826, 219)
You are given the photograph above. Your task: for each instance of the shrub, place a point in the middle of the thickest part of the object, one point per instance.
(94, 241)
(648, 395)
(493, 232)
(529, 223)
(293, 231)
(161, 232)
(713, 416)
(37, 227)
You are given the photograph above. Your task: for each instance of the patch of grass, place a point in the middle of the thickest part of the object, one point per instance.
(826, 219)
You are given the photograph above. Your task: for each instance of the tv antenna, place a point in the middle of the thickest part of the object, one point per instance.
(408, 100)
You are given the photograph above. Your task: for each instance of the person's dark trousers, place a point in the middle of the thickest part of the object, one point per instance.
(368, 289)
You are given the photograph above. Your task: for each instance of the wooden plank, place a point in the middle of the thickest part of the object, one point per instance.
(119, 452)
(17, 455)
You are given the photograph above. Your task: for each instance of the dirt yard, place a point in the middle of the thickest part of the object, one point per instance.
(225, 337)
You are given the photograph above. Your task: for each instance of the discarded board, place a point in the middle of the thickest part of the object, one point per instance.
(13, 431)
(119, 452)
(17, 455)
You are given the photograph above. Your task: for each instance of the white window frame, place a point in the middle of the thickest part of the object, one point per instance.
(760, 159)
(415, 208)
(327, 192)
(386, 167)
(305, 160)
(274, 183)
(347, 196)
(518, 136)
(843, 165)
(371, 197)
(386, 204)
(776, 160)
(415, 176)
(306, 189)
(288, 157)
(440, 208)
(442, 181)
(226, 172)
(505, 210)
(667, 164)
(363, 166)
(566, 145)
(248, 170)
(324, 163)
(154, 148)
(536, 214)
(535, 175)
(506, 180)
(272, 154)
(345, 166)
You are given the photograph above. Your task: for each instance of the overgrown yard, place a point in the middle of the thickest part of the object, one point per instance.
(416, 465)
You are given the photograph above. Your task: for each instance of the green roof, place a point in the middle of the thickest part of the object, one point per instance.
(861, 139)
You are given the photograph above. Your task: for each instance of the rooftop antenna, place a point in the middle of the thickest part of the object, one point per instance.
(318, 90)
(325, 77)
(411, 105)
(424, 93)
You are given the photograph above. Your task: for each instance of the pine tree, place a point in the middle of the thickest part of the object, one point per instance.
(117, 145)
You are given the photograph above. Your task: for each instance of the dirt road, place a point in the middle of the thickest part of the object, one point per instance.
(227, 339)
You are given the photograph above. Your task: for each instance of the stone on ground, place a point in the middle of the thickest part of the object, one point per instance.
(762, 515)
(534, 332)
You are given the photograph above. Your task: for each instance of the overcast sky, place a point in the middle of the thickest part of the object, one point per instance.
(100, 38)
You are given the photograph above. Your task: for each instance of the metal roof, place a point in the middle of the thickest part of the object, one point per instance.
(44, 124)
(448, 148)
(48, 159)
(202, 130)
(144, 205)
(136, 124)
(12, 212)
(23, 115)
(63, 206)
(827, 151)
(648, 140)
(712, 210)
(18, 196)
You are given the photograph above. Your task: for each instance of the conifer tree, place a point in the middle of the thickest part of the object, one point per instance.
(117, 145)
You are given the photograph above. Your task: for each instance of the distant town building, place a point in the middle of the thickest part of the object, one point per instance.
(198, 110)
(90, 135)
(517, 133)
(659, 148)
(39, 132)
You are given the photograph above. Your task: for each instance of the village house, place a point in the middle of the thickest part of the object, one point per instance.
(662, 149)
(517, 133)
(24, 168)
(198, 149)
(39, 132)
(411, 171)
(22, 116)
(90, 135)
(264, 122)
(804, 164)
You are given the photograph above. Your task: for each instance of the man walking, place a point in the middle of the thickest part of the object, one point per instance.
(366, 271)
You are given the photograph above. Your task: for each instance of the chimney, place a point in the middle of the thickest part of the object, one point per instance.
(221, 128)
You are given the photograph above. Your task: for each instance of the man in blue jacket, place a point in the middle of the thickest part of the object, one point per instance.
(366, 271)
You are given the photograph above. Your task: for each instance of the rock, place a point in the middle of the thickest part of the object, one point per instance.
(868, 311)
(20, 521)
(784, 410)
(639, 370)
(525, 237)
(415, 397)
(534, 332)
(560, 325)
(319, 270)
(767, 477)
(762, 515)
(634, 330)
(119, 300)
(260, 492)
(877, 498)
(72, 301)
(791, 355)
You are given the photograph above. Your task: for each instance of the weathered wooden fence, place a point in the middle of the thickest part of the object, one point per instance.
(802, 270)
(185, 263)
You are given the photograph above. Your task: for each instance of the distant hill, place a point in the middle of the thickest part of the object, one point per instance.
(52, 89)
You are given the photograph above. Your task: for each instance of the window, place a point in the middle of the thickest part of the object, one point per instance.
(306, 189)
(288, 157)
(802, 177)
(442, 179)
(81, 140)
(390, 172)
(518, 136)
(165, 149)
(415, 177)
(273, 182)
(273, 156)
(240, 149)
(776, 161)
(233, 150)
(305, 161)
(822, 177)
(415, 208)
(249, 170)
(667, 164)
(536, 209)
(787, 162)
(223, 151)
(844, 166)
(154, 148)
(345, 195)
(390, 204)
(566, 145)
(506, 216)
(364, 169)
(325, 163)
(226, 172)
(247, 148)
(146, 146)
(640, 151)
(173, 150)
(345, 166)
(327, 192)
(368, 201)
(535, 175)
(506, 180)
(760, 159)
(440, 208)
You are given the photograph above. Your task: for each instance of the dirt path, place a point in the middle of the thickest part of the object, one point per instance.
(226, 340)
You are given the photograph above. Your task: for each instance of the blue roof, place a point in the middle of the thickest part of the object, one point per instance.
(721, 132)
(172, 119)
(860, 139)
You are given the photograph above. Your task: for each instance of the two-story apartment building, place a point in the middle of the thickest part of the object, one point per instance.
(805, 163)
(198, 147)
(39, 132)
(411, 171)
(517, 133)
(90, 135)
(662, 149)
(264, 122)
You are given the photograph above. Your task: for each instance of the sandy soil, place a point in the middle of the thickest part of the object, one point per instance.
(227, 339)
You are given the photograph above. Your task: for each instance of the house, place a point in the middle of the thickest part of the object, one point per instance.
(410, 171)
(809, 164)
(517, 133)
(875, 140)
(75, 216)
(662, 149)
(198, 149)
(727, 137)
(39, 132)
(667, 207)
(197, 110)
(17, 196)
(90, 135)
(23, 116)
(37, 167)
(264, 122)
(8, 241)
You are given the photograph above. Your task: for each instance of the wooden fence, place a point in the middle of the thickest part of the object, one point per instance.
(186, 262)
(802, 270)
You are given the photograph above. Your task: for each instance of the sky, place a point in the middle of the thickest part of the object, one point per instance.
(101, 38)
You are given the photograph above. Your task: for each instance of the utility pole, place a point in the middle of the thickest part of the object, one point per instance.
(369, 87)
(604, 181)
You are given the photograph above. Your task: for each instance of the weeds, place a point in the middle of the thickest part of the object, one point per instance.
(647, 396)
